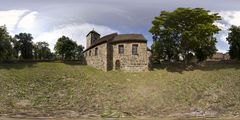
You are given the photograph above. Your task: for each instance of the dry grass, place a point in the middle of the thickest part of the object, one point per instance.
(58, 89)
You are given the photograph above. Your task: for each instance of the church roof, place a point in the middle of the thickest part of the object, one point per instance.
(129, 38)
(115, 38)
(104, 39)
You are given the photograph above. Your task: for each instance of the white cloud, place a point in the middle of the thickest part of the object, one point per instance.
(77, 32)
(10, 18)
(231, 17)
(17, 20)
(42, 27)
(221, 25)
(28, 21)
(228, 18)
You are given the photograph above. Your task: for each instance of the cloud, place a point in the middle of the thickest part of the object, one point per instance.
(228, 18)
(17, 20)
(77, 32)
(231, 17)
(106, 17)
(10, 18)
(27, 21)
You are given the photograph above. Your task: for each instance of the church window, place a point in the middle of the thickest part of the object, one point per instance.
(135, 49)
(121, 49)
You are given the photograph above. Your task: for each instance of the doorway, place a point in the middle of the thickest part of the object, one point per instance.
(117, 65)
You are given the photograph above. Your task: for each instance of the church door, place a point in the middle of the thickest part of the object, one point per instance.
(117, 65)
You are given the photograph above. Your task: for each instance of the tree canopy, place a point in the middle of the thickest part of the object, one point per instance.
(66, 48)
(234, 42)
(25, 45)
(5, 44)
(42, 51)
(184, 32)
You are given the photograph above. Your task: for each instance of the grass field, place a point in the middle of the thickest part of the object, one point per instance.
(70, 89)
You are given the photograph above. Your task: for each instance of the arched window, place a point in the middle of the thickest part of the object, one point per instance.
(90, 53)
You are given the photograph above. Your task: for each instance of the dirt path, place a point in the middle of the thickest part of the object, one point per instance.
(98, 118)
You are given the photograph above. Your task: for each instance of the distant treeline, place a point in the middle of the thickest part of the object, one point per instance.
(21, 47)
(179, 35)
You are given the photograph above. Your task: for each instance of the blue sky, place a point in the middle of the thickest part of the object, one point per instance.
(47, 20)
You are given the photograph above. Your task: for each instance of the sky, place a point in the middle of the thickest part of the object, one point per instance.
(47, 20)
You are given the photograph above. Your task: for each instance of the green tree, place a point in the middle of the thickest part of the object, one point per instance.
(184, 32)
(234, 42)
(42, 51)
(79, 52)
(66, 48)
(25, 45)
(5, 44)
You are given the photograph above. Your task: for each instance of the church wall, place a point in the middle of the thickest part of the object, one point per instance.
(98, 61)
(128, 61)
(89, 40)
(109, 56)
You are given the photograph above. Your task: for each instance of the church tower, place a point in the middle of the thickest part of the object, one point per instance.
(92, 37)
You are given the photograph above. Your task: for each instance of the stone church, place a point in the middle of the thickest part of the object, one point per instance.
(126, 52)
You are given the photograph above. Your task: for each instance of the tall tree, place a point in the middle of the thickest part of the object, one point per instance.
(185, 32)
(25, 45)
(5, 44)
(66, 48)
(234, 42)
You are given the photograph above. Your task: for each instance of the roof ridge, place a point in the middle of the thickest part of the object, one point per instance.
(103, 39)
(108, 35)
(131, 34)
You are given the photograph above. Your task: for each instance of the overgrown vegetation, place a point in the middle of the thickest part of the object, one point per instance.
(69, 89)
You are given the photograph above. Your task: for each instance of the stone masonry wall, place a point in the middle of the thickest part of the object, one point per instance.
(129, 62)
(109, 56)
(89, 40)
(98, 61)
